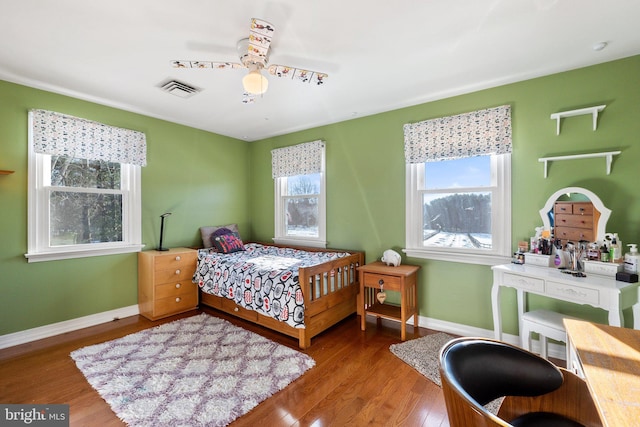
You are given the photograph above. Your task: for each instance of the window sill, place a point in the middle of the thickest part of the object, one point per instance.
(465, 258)
(82, 253)
(300, 242)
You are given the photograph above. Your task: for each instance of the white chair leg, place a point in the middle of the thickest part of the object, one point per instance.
(526, 340)
(543, 346)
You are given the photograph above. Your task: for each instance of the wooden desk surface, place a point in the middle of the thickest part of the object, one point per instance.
(610, 358)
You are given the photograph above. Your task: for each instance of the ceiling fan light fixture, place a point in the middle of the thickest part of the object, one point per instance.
(255, 83)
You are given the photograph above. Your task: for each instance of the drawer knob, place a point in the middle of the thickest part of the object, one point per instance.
(380, 282)
(177, 271)
(177, 257)
(178, 299)
(178, 285)
(236, 309)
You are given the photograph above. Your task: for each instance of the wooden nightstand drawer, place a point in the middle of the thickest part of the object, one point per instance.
(175, 260)
(174, 289)
(390, 283)
(175, 304)
(181, 273)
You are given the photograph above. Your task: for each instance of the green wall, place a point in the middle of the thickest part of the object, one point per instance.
(198, 176)
(366, 177)
(208, 179)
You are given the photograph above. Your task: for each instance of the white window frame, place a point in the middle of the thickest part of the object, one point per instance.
(500, 222)
(39, 248)
(281, 237)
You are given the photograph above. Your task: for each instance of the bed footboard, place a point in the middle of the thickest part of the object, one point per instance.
(330, 293)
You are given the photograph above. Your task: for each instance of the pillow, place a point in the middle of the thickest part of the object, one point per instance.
(206, 233)
(228, 243)
(222, 232)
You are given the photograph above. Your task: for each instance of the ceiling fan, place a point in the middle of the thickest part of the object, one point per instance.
(254, 55)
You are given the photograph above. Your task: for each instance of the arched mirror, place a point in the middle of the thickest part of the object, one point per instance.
(577, 194)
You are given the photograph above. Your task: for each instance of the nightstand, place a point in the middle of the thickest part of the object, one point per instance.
(164, 282)
(403, 279)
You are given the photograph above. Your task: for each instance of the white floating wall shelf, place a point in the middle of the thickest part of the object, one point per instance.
(608, 155)
(582, 111)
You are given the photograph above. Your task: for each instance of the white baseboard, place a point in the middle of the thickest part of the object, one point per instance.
(53, 329)
(554, 350)
(22, 337)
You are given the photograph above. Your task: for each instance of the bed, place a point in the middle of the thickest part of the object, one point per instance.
(296, 291)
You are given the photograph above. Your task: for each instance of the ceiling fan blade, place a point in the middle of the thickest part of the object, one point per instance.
(260, 35)
(205, 64)
(305, 76)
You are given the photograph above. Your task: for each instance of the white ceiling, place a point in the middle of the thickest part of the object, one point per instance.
(380, 55)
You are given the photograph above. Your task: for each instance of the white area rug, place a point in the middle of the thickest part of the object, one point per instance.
(197, 371)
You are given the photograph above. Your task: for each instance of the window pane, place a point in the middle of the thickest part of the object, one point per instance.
(303, 184)
(458, 173)
(457, 220)
(71, 172)
(302, 216)
(79, 218)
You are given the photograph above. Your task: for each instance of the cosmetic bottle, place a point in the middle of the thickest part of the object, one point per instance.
(632, 259)
(604, 254)
(615, 251)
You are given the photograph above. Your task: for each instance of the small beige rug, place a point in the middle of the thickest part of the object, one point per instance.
(423, 355)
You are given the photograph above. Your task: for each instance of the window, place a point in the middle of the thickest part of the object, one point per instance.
(459, 209)
(79, 207)
(300, 197)
(459, 189)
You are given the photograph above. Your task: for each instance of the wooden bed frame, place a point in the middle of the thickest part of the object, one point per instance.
(325, 305)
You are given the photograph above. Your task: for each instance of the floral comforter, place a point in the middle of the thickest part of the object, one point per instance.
(261, 278)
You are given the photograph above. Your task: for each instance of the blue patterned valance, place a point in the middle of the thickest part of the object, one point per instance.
(62, 135)
(298, 159)
(465, 135)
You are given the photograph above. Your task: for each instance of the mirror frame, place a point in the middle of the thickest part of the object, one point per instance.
(605, 212)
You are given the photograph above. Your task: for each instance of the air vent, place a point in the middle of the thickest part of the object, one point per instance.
(180, 89)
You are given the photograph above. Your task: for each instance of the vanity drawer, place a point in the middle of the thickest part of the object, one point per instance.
(575, 234)
(578, 221)
(530, 284)
(573, 293)
(563, 208)
(583, 208)
(575, 208)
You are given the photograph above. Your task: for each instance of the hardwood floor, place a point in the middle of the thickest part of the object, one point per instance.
(356, 381)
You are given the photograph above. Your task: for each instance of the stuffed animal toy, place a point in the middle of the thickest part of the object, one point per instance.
(391, 257)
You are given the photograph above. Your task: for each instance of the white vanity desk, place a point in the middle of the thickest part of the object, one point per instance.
(594, 290)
